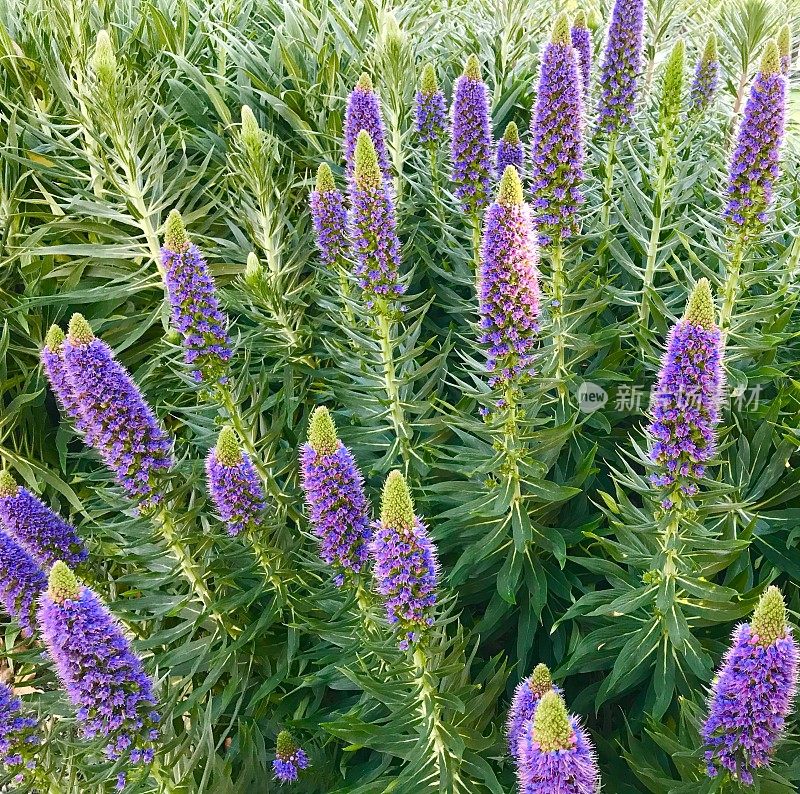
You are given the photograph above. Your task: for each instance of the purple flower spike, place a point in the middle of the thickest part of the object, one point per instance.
(754, 166)
(582, 41)
(234, 485)
(510, 150)
(115, 419)
(430, 109)
(508, 286)
(44, 534)
(329, 216)
(195, 307)
(21, 582)
(527, 695)
(752, 693)
(706, 78)
(406, 569)
(19, 736)
(471, 143)
(289, 758)
(54, 368)
(334, 489)
(785, 48)
(373, 227)
(619, 71)
(103, 678)
(555, 754)
(364, 113)
(557, 140)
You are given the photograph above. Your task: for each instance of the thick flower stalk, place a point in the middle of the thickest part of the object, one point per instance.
(555, 753)
(56, 372)
(785, 48)
(620, 68)
(21, 582)
(19, 736)
(752, 693)
(510, 150)
(334, 490)
(364, 113)
(45, 535)
(430, 109)
(373, 227)
(406, 568)
(471, 139)
(290, 759)
(234, 484)
(103, 678)
(582, 42)
(329, 216)
(508, 286)
(706, 78)
(527, 695)
(669, 107)
(557, 139)
(196, 313)
(115, 418)
(685, 405)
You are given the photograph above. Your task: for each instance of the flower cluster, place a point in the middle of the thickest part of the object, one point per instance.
(102, 676)
(508, 286)
(364, 113)
(195, 307)
(754, 166)
(234, 484)
(21, 582)
(289, 758)
(685, 406)
(557, 139)
(329, 216)
(334, 490)
(406, 569)
(471, 139)
(706, 78)
(582, 41)
(56, 372)
(510, 150)
(619, 71)
(430, 108)
(19, 735)
(45, 535)
(527, 695)
(753, 692)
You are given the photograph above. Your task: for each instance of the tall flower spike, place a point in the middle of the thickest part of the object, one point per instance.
(555, 753)
(582, 41)
(364, 113)
(557, 139)
(45, 535)
(289, 758)
(234, 484)
(19, 736)
(526, 698)
(508, 285)
(53, 363)
(196, 314)
(510, 150)
(471, 139)
(752, 693)
(619, 71)
(329, 216)
(785, 48)
(21, 582)
(406, 569)
(103, 678)
(706, 78)
(115, 418)
(671, 92)
(373, 227)
(685, 406)
(754, 165)
(334, 489)
(430, 108)
(104, 60)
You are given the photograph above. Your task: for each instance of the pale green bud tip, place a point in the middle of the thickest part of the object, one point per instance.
(551, 728)
(8, 485)
(472, 68)
(250, 129)
(54, 339)
(579, 21)
(322, 431)
(427, 80)
(700, 307)
(62, 584)
(397, 507)
(285, 744)
(510, 191)
(228, 451)
(104, 61)
(367, 172)
(79, 331)
(541, 680)
(676, 56)
(561, 33)
(175, 236)
(325, 183)
(252, 270)
(769, 618)
(710, 51)
(785, 40)
(771, 60)
(364, 83)
(511, 135)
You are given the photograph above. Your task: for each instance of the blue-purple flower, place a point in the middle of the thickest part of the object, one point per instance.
(527, 695)
(334, 490)
(19, 736)
(56, 372)
(582, 42)
(430, 108)
(510, 150)
(329, 216)
(21, 582)
(45, 535)
(364, 113)
(706, 78)
(289, 758)
(752, 693)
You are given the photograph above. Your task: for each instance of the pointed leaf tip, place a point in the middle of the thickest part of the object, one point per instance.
(322, 431)
(771, 60)
(54, 339)
(79, 331)
(175, 236)
(510, 191)
(541, 679)
(561, 32)
(228, 451)
(511, 135)
(8, 485)
(62, 584)
(397, 506)
(428, 83)
(366, 172)
(325, 183)
(769, 617)
(472, 68)
(365, 83)
(700, 306)
(551, 727)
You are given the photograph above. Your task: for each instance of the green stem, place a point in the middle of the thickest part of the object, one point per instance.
(511, 440)
(608, 183)
(429, 709)
(559, 286)
(476, 239)
(269, 559)
(344, 290)
(434, 164)
(731, 287)
(792, 263)
(391, 385)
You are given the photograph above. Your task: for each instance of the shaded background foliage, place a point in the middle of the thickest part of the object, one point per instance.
(559, 576)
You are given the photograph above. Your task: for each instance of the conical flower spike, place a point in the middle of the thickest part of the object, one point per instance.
(104, 61)
(510, 150)
(785, 48)
(54, 369)
(430, 108)
(706, 78)
(289, 758)
(671, 92)
(582, 41)
(329, 216)
(364, 113)
(526, 698)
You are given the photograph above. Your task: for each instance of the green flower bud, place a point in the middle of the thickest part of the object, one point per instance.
(771, 60)
(8, 485)
(54, 339)
(541, 680)
(367, 172)
(104, 60)
(322, 431)
(397, 507)
(175, 236)
(79, 331)
(229, 453)
(700, 306)
(472, 68)
(509, 193)
(769, 618)
(561, 32)
(428, 83)
(551, 728)
(62, 584)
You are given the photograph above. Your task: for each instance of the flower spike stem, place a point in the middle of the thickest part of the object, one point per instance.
(608, 182)
(559, 341)
(731, 287)
(392, 387)
(429, 709)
